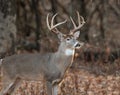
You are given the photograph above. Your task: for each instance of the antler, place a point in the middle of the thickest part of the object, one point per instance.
(80, 23)
(51, 26)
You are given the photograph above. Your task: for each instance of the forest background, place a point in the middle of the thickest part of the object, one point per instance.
(23, 29)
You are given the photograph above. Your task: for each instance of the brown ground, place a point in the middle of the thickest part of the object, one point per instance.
(85, 78)
(77, 82)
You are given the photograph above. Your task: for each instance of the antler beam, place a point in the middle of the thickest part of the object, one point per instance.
(51, 26)
(81, 22)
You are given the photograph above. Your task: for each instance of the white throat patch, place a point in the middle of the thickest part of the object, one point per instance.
(69, 52)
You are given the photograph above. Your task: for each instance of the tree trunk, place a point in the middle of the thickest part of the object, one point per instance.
(100, 30)
(7, 26)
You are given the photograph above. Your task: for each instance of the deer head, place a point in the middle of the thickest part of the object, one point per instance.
(68, 41)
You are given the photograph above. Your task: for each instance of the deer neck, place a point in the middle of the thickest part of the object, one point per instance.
(63, 58)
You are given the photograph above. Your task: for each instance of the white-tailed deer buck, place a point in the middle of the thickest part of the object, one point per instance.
(51, 66)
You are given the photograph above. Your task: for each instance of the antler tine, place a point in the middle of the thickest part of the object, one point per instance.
(80, 23)
(47, 20)
(73, 22)
(51, 26)
(60, 23)
(81, 20)
(52, 21)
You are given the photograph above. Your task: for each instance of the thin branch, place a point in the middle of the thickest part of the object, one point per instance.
(115, 8)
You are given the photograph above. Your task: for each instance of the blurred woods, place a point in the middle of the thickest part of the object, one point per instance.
(23, 29)
(100, 33)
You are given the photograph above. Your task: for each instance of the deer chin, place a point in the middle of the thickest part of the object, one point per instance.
(69, 52)
(77, 48)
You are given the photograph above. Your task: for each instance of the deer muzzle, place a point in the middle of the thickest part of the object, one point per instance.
(78, 45)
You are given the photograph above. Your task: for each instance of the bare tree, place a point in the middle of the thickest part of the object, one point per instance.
(7, 26)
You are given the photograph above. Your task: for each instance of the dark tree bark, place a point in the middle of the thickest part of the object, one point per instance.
(7, 26)
(101, 28)
(38, 23)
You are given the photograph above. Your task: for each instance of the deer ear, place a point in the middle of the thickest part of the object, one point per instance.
(76, 34)
(60, 36)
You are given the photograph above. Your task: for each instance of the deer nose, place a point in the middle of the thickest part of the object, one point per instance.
(77, 45)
